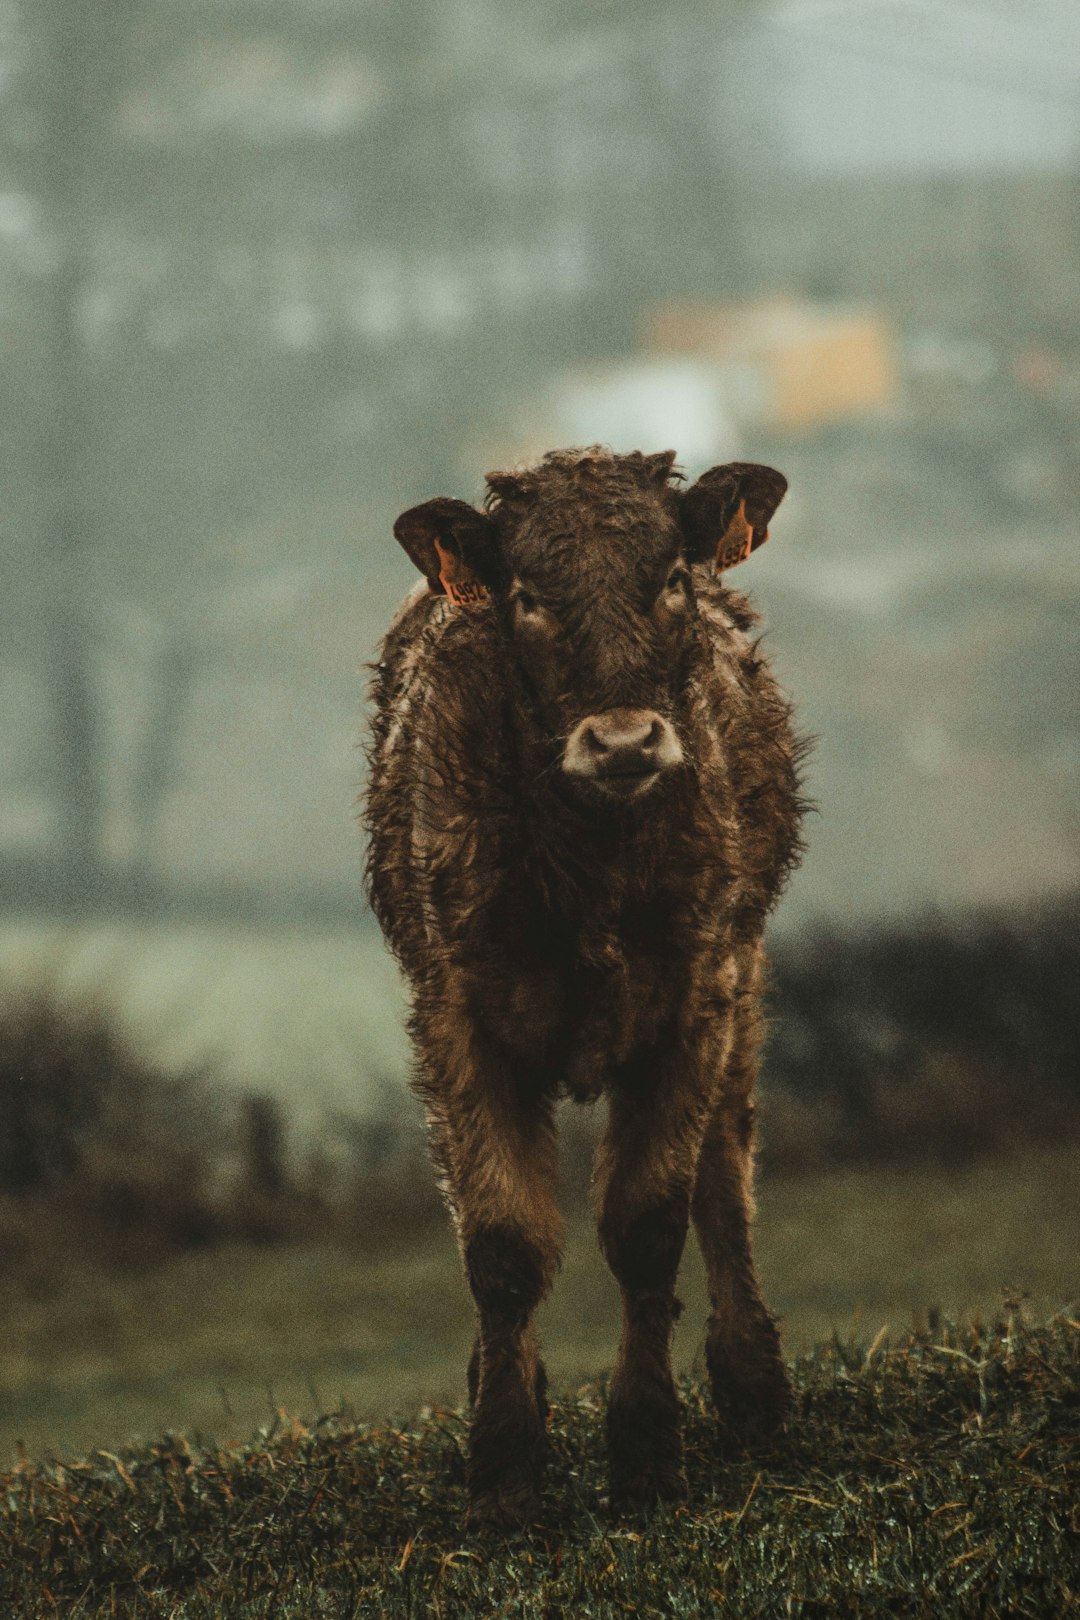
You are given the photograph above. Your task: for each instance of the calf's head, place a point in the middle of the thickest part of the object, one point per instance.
(585, 563)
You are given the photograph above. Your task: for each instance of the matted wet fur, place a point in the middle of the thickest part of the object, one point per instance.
(583, 803)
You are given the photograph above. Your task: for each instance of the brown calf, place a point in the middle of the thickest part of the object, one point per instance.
(583, 804)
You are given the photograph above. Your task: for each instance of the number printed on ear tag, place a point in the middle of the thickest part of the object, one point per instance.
(465, 592)
(458, 580)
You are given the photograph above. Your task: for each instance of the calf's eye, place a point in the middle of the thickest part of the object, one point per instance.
(527, 602)
(676, 581)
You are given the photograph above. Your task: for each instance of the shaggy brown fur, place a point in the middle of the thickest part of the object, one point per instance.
(583, 804)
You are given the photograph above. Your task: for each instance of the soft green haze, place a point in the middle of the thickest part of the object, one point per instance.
(270, 272)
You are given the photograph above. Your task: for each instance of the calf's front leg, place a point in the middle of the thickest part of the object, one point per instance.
(493, 1139)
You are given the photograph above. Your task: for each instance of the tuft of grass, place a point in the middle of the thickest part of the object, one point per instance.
(936, 1476)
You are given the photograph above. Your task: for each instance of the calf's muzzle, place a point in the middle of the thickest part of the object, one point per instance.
(622, 751)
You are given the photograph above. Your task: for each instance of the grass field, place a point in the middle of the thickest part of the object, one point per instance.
(937, 1478)
(140, 1356)
(213, 1342)
(925, 1477)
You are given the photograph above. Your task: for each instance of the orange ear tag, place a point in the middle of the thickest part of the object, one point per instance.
(738, 540)
(458, 581)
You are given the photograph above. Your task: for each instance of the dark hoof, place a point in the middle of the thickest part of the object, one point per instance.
(507, 1451)
(648, 1486)
(510, 1507)
(752, 1391)
(645, 1453)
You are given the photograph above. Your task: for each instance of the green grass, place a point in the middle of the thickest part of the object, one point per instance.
(934, 1478)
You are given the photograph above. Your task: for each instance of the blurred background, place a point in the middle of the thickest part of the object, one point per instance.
(271, 272)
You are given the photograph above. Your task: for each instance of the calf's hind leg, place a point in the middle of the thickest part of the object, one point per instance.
(644, 1175)
(749, 1382)
(494, 1143)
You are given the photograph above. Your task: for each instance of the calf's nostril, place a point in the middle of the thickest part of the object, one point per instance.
(651, 741)
(593, 741)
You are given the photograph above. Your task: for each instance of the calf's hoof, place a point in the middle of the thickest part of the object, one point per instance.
(513, 1506)
(645, 1455)
(507, 1450)
(751, 1389)
(648, 1486)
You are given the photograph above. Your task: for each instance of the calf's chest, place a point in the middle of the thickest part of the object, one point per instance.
(575, 1002)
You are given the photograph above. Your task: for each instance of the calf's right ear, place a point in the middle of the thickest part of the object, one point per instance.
(452, 544)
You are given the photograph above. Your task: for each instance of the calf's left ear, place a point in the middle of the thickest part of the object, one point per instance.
(726, 514)
(452, 544)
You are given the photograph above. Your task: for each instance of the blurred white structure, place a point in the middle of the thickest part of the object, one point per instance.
(649, 404)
